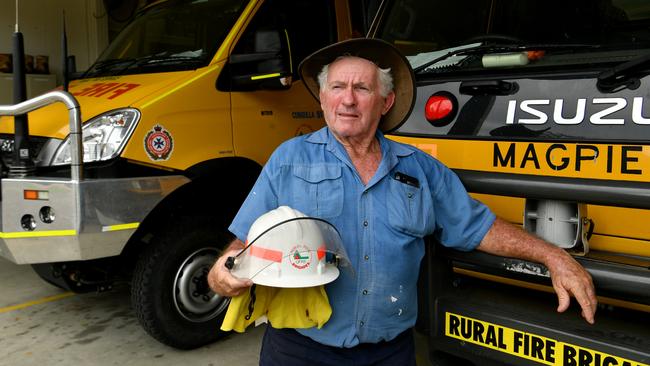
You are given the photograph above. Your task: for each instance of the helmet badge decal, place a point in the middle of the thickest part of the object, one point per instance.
(300, 257)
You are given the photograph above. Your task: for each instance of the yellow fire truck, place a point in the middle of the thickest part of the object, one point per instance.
(169, 129)
(542, 109)
(537, 105)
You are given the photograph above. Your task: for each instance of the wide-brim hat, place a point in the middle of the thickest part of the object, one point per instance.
(384, 55)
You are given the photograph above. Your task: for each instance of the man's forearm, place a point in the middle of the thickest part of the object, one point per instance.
(567, 275)
(508, 240)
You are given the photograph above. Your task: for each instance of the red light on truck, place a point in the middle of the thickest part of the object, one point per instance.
(440, 109)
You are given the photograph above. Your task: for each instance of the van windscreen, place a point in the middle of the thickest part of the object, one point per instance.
(172, 36)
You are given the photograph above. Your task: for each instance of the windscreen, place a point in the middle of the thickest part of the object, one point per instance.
(564, 33)
(172, 36)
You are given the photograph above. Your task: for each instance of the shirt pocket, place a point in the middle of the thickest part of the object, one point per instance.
(318, 190)
(410, 209)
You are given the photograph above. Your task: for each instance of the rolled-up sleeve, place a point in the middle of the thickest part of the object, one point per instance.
(461, 221)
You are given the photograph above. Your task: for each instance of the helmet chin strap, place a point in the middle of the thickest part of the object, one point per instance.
(251, 303)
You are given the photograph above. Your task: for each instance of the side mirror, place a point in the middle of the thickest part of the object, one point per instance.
(267, 67)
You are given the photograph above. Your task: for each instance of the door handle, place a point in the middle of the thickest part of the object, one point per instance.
(488, 87)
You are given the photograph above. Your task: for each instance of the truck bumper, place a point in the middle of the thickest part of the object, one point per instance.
(494, 324)
(490, 323)
(90, 219)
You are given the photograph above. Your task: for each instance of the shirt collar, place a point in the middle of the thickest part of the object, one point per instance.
(391, 151)
(323, 136)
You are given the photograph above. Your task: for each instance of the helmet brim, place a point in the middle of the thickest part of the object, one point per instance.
(296, 252)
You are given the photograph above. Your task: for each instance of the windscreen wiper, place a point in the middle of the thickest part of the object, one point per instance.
(501, 48)
(106, 64)
(625, 75)
(149, 61)
(119, 65)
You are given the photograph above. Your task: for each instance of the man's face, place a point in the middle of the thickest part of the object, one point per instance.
(351, 98)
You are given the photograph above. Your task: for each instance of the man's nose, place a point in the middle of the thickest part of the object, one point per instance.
(348, 96)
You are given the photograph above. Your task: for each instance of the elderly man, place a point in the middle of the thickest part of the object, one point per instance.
(383, 197)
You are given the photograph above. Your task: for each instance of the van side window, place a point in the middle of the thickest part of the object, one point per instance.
(311, 25)
(293, 28)
(362, 13)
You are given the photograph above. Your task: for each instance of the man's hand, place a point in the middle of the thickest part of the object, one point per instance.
(570, 278)
(220, 279)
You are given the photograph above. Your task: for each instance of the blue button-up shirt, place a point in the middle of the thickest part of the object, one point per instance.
(382, 225)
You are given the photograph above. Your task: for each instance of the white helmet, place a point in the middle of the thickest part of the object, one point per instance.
(285, 248)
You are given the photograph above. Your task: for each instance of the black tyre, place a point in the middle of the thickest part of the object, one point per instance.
(169, 290)
(46, 272)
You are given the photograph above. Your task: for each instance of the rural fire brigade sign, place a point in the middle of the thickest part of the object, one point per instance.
(526, 345)
(158, 143)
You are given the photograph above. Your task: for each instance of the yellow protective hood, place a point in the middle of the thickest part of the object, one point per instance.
(305, 307)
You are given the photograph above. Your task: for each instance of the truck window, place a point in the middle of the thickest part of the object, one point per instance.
(362, 13)
(583, 40)
(422, 26)
(309, 26)
(575, 32)
(178, 35)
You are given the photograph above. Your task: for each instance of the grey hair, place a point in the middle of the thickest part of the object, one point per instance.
(384, 76)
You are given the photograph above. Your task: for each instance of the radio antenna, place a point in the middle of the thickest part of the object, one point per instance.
(22, 164)
(64, 45)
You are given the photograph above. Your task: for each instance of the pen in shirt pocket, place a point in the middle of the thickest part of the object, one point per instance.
(407, 179)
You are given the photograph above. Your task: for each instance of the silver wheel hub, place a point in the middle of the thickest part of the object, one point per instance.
(193, 298)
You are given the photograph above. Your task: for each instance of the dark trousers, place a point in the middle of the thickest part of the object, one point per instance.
(286, 347)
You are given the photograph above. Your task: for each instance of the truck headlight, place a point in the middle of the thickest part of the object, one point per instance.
(103, 137)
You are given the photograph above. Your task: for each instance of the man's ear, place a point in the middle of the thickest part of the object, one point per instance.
(320, 98)
(320, 102)
(388, 102)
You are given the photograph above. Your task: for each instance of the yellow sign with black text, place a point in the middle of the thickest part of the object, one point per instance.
(526, 345)
(571, 160)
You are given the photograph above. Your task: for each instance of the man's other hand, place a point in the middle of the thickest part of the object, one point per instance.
(222, 281)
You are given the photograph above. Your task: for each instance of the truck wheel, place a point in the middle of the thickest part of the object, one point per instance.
(46, 272)
(170, 292)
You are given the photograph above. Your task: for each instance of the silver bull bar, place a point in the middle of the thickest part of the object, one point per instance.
(90, 218)
(74, 113)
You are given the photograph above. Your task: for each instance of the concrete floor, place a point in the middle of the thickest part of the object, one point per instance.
(43, 325)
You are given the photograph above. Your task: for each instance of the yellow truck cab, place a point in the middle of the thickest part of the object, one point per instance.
(542, 110)
(170, 128)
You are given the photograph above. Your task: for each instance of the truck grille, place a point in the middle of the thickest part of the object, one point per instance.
(7, 153)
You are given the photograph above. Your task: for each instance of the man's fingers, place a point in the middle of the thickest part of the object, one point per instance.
(585, 294)
(236, 285)
(571, 279)
(576, 283)
(589, 316)
(223, 282)
(563, 298)
(229, 285)
(239, 291)
(589, 304)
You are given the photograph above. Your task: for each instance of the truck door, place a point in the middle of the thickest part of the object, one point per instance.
(267, 113)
